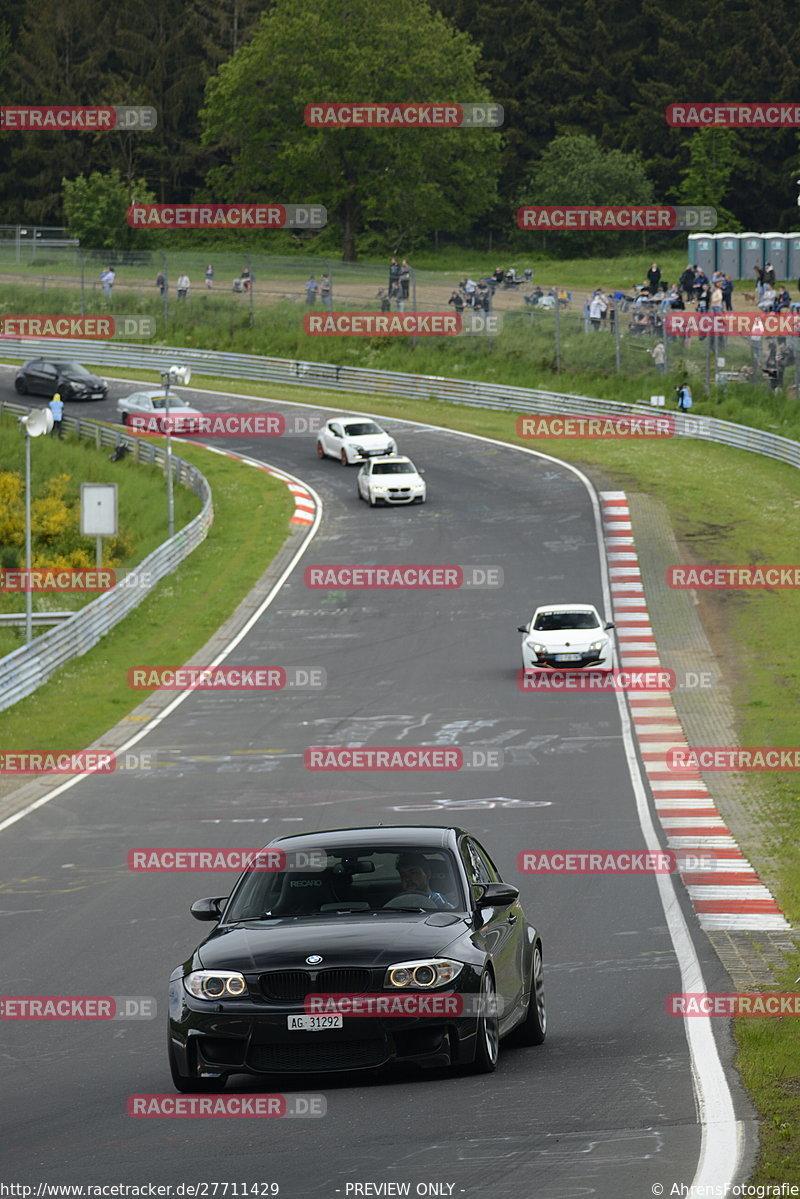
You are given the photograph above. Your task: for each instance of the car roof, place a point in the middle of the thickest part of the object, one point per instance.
(343, 420)
(423, 836)
(392, 458)
(566, 608)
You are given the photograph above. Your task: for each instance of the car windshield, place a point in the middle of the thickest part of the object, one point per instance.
(366, 428)
(393, 468)
(174, 402)
(552, 622)
(357, 879)
(73, 368)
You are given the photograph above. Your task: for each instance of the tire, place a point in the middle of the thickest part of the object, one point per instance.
(487, 1049)
(124, 418)
(533, 1029)
(21, 386)
(192, 1086)
(343, 458)
(320, 450)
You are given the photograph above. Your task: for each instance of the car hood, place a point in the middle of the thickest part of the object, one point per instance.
(409, 480)
(369, 942)
(370, 441)
(82, 381)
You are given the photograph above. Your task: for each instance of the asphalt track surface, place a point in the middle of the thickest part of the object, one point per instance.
(606, 1106)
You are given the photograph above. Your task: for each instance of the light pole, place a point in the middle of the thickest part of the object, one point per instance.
(173, 374)
(35, 424)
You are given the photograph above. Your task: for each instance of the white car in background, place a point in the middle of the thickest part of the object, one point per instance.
(391, 480)
(153, 406)
(353, 439)
(566, 637)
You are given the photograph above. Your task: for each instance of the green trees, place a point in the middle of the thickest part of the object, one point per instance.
(95, 209)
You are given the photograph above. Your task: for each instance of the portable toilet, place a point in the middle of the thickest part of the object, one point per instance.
(728, 254)
(702, 251)
(751, 254)
(776, 247)
(793, 242)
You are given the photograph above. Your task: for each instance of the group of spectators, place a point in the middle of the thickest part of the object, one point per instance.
(470, 294)
(709, 295)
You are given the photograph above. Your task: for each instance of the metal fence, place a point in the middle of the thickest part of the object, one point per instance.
(26, 668)
(335, 377)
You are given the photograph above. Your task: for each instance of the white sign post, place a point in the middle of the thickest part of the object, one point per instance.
(99, 513)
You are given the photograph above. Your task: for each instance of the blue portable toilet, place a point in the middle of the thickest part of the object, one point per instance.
(776, 251)
(703, 251)
(728, 254)
(793, 242)
(751, 254)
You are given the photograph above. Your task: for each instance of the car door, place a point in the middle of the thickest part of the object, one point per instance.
(501, 928)
(333, 438)
(42, 378)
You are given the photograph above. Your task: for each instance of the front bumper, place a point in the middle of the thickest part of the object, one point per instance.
(250, 1038)
(532, 662)
(410, 496)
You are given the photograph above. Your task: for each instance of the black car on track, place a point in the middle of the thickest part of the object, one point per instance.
(46, 376)
(352, 949)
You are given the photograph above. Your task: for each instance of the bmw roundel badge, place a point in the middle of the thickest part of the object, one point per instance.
(313, 959)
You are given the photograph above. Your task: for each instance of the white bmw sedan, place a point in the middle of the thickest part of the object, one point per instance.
(566, 637)
(391, 480)
(353, 439)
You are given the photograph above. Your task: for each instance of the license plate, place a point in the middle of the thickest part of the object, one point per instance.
(314, 1023)
(568, 657)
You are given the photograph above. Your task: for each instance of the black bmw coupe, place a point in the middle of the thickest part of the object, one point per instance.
(353, 949)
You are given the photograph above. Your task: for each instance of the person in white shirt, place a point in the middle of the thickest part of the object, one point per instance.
(183, 285)
(597, 307)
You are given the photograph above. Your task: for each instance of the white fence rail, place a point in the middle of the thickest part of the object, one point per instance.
(26, 668)
(395, 383)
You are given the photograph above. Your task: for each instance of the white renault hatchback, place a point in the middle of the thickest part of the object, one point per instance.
(393, 480)
(566, 637)
(353, 439)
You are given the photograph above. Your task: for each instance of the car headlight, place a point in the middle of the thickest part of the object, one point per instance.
(427, 972)
(215, 984)
(598, 646)
(536, 647)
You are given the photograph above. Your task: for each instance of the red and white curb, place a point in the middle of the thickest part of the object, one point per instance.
(726, 892)
(305, 503)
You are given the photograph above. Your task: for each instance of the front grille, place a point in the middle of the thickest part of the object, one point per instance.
(296, 984)
(318, 1055)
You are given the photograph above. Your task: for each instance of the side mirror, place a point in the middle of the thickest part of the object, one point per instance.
(498, 895)
(208, 909)
(609, 625)
(522, 628)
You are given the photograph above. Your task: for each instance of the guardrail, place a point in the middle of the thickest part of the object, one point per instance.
(26, 668)
(394, 383)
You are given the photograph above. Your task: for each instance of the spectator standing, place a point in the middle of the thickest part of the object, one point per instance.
(758, 272)
(687, 281)
(107, 277)
(396, 295)
(312, 290)
(457, 300)
(161, 283)
(659, 356)
(769, 274)
(183, 285)
(727, 293)
(326, 292)
(57, 409)
(716, 298)
(684, 394)
(209, 277)
(653, 278)
(394, 273)
(597, 307)
(405, 277)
